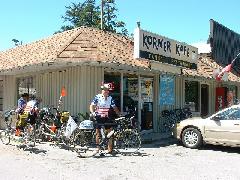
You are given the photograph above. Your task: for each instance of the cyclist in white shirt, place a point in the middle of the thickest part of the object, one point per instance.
(100, 107)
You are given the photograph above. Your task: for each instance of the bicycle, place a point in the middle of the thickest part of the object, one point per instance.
(6, 134)
(26, 135)
(174, 116)
(126, 139)
(51, 126)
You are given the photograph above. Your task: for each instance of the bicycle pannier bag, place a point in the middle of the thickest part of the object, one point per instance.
(86, 124)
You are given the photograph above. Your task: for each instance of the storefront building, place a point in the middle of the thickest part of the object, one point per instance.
(165, 74)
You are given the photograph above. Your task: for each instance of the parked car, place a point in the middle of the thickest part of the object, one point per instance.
(222, 128)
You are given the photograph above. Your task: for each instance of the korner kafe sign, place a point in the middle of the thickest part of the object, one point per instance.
(158, 48)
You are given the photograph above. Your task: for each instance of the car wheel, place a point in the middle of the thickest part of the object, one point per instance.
(191, 138)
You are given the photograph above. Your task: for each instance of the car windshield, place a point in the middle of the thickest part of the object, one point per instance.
(231, 113)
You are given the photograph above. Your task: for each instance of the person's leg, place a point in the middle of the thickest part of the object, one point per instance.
(97, 136)
(17, 130)
(110, 141)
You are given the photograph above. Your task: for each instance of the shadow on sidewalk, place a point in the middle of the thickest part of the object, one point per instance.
(161, 142)
(31, 149)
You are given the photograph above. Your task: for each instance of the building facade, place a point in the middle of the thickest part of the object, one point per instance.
(82, 58)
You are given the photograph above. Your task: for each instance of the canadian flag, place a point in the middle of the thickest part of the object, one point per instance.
(223, 71)
(226, 69)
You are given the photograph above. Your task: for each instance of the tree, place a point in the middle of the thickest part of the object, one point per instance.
(110, 22)
(88, 14)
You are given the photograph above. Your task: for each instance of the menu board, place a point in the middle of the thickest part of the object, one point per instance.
(167, 90)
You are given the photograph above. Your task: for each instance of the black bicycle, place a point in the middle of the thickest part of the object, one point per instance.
(124, 135)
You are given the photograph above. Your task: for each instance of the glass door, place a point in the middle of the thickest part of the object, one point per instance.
(146, 103)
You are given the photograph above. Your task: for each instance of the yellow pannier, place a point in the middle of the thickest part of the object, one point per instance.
(22, 119)
(64, 116)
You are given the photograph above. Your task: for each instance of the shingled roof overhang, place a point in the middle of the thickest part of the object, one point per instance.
(84, 45)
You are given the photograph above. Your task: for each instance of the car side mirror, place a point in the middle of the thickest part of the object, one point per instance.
(216, 118)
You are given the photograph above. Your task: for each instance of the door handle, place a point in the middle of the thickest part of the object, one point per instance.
(236, 124)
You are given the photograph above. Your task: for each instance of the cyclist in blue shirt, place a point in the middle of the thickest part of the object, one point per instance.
(100, 107)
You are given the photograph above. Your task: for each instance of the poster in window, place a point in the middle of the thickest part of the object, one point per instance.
(133, 89)
(220, 93)
(147, 89)
(167, 90)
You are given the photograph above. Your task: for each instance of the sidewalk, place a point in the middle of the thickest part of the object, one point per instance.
(149, 138)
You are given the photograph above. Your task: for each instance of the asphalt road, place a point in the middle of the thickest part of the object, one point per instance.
(163, 159)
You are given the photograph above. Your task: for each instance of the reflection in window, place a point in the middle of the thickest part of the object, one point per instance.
(230, 114)
(130, 92)
(234, 114)
(25, 85)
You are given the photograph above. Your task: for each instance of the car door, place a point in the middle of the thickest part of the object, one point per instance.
(233, 127)
(224, 127)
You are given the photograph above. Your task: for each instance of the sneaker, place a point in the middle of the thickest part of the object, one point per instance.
(101, 154)
(112, 152)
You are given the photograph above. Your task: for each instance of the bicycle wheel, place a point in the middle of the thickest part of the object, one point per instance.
(129, 141)
(29, 135)
(39, 133)
(84, 143)
(5, 136)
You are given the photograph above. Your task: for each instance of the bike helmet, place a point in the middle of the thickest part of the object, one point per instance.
(107, 86)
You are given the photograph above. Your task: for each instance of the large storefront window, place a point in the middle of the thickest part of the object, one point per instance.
(231, 95)
(26, 85)
(192, 95)
(130, 90)
(226, 96)
(129, 93)
(115, 79)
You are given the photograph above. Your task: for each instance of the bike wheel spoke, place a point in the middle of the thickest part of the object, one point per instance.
(5, 136)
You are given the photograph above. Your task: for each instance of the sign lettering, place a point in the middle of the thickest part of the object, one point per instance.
(158, 48)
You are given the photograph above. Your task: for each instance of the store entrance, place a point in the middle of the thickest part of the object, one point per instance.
(146, 103)
(204, 100)
(128, 98)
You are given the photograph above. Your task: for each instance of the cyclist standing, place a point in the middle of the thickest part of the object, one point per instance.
(32, 109)
(100, 107)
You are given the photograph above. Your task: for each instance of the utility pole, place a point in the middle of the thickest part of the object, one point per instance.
(102, 14)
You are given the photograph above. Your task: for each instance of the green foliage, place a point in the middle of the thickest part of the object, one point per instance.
(82, 116)
(89, 14)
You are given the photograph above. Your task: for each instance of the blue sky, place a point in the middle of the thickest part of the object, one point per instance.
(181, 20)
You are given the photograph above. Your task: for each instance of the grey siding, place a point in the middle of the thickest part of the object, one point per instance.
(80, 82)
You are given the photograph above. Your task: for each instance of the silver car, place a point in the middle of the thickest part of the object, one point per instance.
(222, 128)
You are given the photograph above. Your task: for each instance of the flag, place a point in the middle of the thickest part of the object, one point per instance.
(223, 71)
(63, 92)
(226, 69)
(71, 126)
